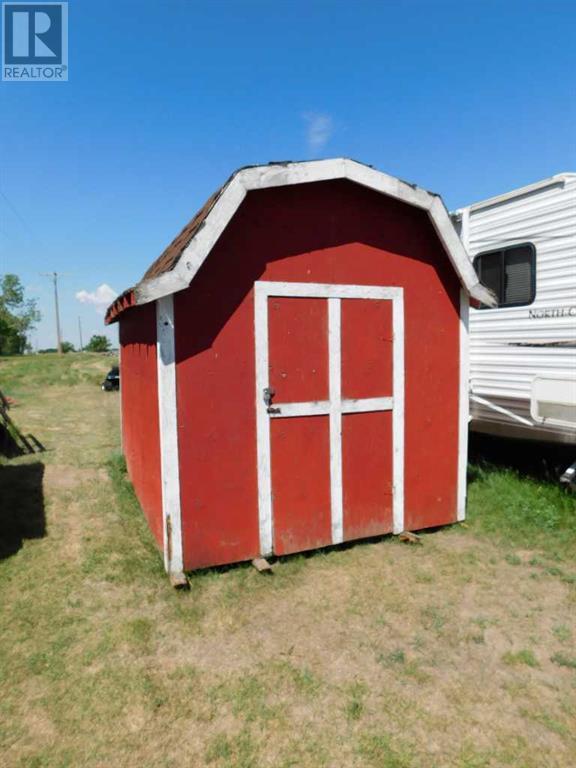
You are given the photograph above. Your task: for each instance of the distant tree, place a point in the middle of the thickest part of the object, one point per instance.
(18, 316)
(98, 343)
(67, 346)
(6, 332)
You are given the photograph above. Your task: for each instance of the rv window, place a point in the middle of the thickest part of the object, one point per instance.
(510, 273)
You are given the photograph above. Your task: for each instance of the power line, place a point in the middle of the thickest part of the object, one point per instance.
(18, 215)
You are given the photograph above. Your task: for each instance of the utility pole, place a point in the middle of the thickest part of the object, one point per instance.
(80, 333)
(54, 277)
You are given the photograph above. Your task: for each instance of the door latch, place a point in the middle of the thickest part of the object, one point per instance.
(268, 394)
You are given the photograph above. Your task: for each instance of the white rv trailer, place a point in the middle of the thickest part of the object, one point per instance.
(523, 352)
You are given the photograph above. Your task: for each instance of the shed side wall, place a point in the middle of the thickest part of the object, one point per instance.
(327, 232)
(140, 427)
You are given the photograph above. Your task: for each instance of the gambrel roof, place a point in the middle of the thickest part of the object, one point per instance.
(177, 266)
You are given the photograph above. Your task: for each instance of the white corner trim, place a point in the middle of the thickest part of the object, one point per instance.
(268, 176)
(169, 456)
(464, 408)
(398, 383)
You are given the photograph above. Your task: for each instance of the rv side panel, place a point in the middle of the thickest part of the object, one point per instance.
(510, 347)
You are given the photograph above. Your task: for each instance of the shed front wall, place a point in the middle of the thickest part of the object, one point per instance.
(332, 232)
(140, 424)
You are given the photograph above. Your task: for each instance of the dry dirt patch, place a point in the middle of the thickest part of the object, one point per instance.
(64, 477)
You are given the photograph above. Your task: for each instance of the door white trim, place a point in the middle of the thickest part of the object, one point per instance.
(335, 390)
(322, 407)
(262, 420)
(327, 290)
(310, 408)
(335, 406)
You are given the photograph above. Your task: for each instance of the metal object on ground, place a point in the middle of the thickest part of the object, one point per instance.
(569, 476)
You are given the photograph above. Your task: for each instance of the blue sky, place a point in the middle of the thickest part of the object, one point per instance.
(166, 98)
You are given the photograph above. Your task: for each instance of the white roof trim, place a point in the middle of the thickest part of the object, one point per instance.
(278, 175)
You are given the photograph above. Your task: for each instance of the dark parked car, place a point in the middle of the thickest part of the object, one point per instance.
(112, 380)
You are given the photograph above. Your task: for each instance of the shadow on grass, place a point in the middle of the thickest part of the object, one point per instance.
(137, 529)
(536, 460)
(22, 506)
(300, 557)
(12, 441)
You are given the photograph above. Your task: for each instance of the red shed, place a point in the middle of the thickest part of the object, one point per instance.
(294, 366)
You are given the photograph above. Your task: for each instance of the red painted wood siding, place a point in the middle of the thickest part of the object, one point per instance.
(366, 348)
(367, 474)
(367, 368)
(298, 342)
(326, 232)
(140, 427)
(300, 447)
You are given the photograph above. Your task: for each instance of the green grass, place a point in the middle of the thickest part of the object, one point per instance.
(359, 657)
(562, 633)
(27, 373)
(378, 750)
(524, 657)
(232, 752)
(391, 659)
(546, 720)
(133, 553)
(564, 661)
(521, 512)
(355, 704)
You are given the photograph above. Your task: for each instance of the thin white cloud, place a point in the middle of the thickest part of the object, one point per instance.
(100, 298)
(319, 129)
